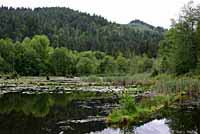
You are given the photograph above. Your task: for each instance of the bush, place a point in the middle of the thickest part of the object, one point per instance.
(86, 66)
(127, 104)
(140, 64)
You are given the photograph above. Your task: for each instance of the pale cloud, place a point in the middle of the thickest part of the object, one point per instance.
(156, 12)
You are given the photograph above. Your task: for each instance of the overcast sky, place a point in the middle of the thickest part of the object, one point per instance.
(155, 12)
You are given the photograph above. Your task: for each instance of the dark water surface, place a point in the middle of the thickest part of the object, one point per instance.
(82, 112)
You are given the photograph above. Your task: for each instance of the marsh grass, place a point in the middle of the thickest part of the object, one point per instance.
(126, 81)
(177, 85)
(142, 76)
(92, 78)
(132, 112)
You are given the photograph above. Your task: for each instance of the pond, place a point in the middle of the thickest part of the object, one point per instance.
(78, 112)
(71, 112)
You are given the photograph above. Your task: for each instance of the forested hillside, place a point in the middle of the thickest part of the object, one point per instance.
(80, 31)
(140, 25)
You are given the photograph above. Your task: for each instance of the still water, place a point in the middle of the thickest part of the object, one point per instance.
(82, 113)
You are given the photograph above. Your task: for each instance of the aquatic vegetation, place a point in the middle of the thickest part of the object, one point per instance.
(132, 112)
(92, 78)
(166, 91)
(177, 85)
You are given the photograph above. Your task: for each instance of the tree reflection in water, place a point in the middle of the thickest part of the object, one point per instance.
(52, 113)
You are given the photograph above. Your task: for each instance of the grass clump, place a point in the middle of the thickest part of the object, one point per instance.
(127, 107)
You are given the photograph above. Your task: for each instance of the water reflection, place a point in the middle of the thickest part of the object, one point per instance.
(154, 127)
(175, 121)
(71, 113)
(184, 121)
(82, 113)
(107, 131)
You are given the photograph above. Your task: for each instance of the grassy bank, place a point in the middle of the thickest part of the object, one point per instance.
(135, 112)
(163, 91)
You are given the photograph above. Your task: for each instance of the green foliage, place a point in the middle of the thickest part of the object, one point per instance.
(122, 64)
(7, 55)
(181, 55)
(37, 48)
(185, 56)
(62, 62)
(35, 57)
(140, 64)
(197, 37)
(79, 31)
(41, 45)
(131, 112)
(108, 65)
(179, 51)
(128, 105)
(4, 66)
(86, 66)
(32, 55)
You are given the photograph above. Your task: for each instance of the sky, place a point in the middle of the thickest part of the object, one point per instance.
(155, 12)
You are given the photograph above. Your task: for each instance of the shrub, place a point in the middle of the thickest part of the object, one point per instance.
(127, 103)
